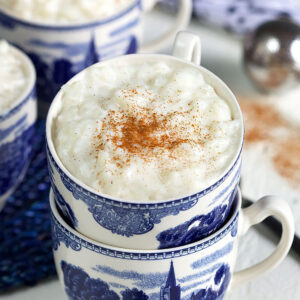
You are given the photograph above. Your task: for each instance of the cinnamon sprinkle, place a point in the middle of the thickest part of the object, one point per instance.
(287, 159)
(142, 133)
(145, 135)
(261, 122)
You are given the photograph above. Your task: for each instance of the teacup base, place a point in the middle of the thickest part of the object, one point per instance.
(201, 270)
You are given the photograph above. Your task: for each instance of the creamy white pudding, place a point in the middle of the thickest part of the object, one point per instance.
(13, 77)
(145, 131)
(64, 11)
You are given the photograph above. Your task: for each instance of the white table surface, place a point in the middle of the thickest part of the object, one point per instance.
(221, 53)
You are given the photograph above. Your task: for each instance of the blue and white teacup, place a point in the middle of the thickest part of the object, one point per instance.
(16, 132)
(202, 270)
(61, 51)
(143, 224)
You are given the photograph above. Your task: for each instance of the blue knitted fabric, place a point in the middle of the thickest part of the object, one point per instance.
(25, 237)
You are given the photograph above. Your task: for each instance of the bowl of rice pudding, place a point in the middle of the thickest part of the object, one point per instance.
(17, 116)
(63, 37)
(144, 150)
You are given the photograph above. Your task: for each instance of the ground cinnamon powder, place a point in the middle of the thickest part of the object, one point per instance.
(287, 159)
(139, 134)
(142, 133)
(262, 121)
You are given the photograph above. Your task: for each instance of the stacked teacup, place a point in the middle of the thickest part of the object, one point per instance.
(17, 117)
(64, 37)
(144, 155)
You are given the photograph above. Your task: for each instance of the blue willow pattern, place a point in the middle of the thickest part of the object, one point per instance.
(196, 228)
(122, 218)
(80, 286)
(62, 235)
(129, 219)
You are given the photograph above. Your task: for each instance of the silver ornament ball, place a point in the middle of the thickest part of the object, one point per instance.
(272, 56)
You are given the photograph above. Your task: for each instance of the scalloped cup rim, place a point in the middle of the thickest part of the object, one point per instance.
(234, 213)
(71, 26)
(55, 107)
(30, 72)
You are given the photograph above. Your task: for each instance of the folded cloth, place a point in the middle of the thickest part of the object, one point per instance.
(25, 231)
(241, 16)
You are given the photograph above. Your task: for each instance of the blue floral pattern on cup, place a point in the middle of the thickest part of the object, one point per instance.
(89, 270)
(195, 229)
(61, 235)
(202, 270)
(16, 135)
(65, 209)
(80, 286)
(131, 219)
(14, 157)
(61, 70)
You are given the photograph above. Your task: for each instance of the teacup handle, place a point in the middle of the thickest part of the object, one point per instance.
(181, 22)
(256, 213)
(187, 46)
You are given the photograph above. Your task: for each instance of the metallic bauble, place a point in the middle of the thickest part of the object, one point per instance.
(272, 56)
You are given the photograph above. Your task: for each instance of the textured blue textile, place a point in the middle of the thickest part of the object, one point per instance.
(241, 16)
(25, 238)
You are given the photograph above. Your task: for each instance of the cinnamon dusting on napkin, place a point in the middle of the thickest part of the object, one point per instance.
(264, 124)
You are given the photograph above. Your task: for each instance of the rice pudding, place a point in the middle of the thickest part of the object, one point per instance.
(13, 77)
(63, 11)
(144, 131)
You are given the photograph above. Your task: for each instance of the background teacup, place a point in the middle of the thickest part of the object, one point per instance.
(202, 270)
(16, 132)
(61, 51)
(155, 224)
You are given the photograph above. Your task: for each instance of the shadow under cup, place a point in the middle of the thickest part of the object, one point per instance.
(202, 270)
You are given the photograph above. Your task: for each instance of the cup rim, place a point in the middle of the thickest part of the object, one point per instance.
(30, 86)
(52, 155)
(198, 245)
(72, 26)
